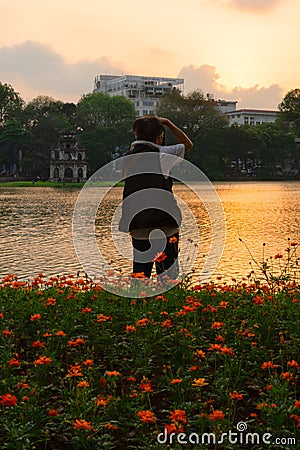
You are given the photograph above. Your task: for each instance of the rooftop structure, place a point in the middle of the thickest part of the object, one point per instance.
(251, 116)
(223, 106)
(144, 92)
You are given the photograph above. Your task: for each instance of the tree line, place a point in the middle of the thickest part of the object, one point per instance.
(29, 131)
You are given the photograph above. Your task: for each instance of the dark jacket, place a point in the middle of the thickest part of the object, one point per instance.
(149, 217)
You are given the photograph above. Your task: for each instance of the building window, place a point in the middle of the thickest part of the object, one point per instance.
(246, 120)
(148, 103)
(56, 173)
(252, 121)
(80, 172)
(79, 157)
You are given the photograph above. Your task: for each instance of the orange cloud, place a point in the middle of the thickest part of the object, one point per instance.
(206, 79)
(255, 5)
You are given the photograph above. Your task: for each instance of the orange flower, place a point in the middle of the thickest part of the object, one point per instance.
(61, 333)
(8, 400)
(215, 347)
(83, 384)
(53, 413)
(173, 240)
(223, 304)
(176, 381)
(236, 396)
(167, 324)
(102, 318)
(83, 424)
(297, 418)
(109, 426)
(217, 325)
(88, 362)
(22, 385)
(172, 428)
(178, 415)
(74, 371)
(101, 401)
(221, 349)
(133, 394)
(142, 322)
(145, 385)
(37, 344)
(113, 373)
(194, 368)
(130, 329)
(43, 360)
(293, 363)
(199, 382)
(146, 416)
(138, 275)
(217, 415)
(35, 317)
(297, 404)
(287, 376)
(278, 256)
(258, 300)
(160, 257)
(50, 301)
(75, 343)
(269, 365)
(14, 363)
(86, 310)
(199, 354)
(7, 332)
(129, 379)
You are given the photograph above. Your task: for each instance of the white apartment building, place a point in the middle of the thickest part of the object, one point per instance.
(251, 116)
(144, 92)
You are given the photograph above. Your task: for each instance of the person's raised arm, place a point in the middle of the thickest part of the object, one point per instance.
(179, 135)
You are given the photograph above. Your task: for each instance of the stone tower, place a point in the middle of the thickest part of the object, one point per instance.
(68, 161)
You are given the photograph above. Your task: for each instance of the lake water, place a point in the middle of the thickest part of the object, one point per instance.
(36, 227)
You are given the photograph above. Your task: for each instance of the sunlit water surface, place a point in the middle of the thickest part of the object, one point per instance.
(36, 228)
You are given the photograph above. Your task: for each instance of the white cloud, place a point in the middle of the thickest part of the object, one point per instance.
(206, 79)
(38, 69)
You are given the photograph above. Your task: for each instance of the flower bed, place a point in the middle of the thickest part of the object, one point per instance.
(84, 369)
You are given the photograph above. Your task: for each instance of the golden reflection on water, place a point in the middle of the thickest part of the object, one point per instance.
(36, 227)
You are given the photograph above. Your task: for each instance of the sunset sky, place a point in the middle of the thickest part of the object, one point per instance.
(244, 50)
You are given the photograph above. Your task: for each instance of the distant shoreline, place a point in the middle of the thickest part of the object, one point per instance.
(54, 184)
(59, 184)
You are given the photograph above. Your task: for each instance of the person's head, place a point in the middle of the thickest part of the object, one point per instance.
(148, 128)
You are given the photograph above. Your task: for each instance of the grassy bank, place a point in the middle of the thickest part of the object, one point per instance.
(53, 184)
(84, 369)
